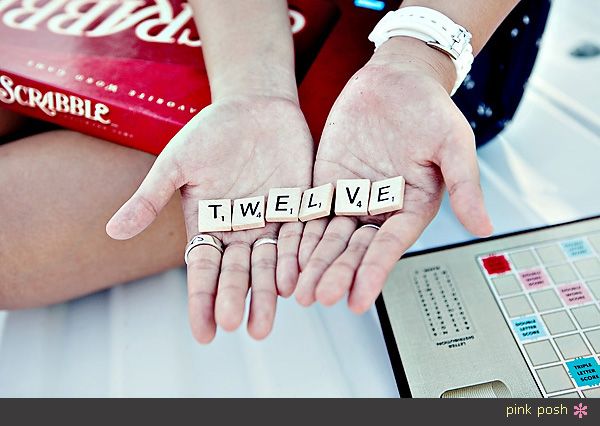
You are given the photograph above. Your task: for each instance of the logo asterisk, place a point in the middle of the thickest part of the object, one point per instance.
(580, 410)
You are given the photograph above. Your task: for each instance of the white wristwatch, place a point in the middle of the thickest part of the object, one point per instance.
(432, 27)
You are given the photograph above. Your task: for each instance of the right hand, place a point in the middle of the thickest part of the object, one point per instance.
(240, 146)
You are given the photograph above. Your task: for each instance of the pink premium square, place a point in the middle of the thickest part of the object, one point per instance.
(574, 294)
(534, 279)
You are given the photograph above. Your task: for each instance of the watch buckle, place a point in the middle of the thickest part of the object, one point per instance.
(459, 42)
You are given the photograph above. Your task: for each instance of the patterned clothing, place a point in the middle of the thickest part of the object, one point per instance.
(493, 89)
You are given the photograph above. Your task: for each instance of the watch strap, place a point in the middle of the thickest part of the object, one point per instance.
(433, 28)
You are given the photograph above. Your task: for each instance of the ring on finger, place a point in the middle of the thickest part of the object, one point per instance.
(203, 240)
(370, 225)
(262, 241)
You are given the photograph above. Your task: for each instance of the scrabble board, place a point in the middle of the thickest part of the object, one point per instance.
(549, 295)
(509, 316)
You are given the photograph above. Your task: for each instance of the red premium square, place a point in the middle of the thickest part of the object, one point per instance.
(496, 264)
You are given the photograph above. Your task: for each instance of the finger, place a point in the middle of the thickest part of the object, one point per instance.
(459, 167)
(332, 244)
(145, 204)
(312, 234)
(263, 290)
(233, 286)
(204, 264)
(396, 235)
(338, 278)
(288, 246)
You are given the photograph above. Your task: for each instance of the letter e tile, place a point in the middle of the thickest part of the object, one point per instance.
(283, 204)
(386, 195)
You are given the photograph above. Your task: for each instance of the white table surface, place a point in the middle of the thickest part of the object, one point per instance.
(134, 340)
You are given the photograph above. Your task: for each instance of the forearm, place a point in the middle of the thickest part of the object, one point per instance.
(480, 18)
(247, 47)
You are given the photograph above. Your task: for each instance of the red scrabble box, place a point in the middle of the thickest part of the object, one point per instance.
(131, 71)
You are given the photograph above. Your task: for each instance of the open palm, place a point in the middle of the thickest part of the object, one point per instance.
(235, 148)
(387, 122)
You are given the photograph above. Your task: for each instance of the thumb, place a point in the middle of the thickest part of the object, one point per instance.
(458, 163)
(145, 204)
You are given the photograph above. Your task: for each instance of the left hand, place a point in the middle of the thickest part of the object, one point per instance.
(394, 117)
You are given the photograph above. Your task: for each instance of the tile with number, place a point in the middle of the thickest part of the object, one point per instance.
(316, 202)
(214, 215)
(248, 213)
(352, 197)
(386, 195)
(283, 204)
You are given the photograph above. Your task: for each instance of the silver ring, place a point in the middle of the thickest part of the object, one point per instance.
(262, 241)
(203, 240)
(370, 225)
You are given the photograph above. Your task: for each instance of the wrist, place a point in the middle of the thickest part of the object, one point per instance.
(412, 55)
(258, 80)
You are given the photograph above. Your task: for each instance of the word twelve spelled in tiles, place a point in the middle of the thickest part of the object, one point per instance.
(353, 197)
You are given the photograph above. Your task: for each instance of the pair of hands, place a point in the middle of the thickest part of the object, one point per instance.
(392, 118)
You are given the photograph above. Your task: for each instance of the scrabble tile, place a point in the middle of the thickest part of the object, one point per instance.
(506, 284)
(562, 273)
(248, 213)
(571, 346)
(550, 254)
(546, 300)
(352, 197)
(517, 306)
(523, 259)
(587, 316)
(386, 195)
(316, 202)
(283, 204)
(554, 379)
(214, 215)
(541, 352)
(558, 322)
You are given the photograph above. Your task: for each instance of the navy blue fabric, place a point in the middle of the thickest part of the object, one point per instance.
(491, 93)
